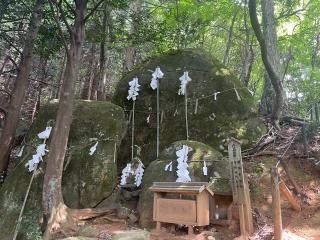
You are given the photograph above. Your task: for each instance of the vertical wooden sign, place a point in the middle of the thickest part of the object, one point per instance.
(240, 188)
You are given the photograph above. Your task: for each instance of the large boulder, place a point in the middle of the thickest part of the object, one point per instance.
(155, 172)
(87, 180)
(213, 122)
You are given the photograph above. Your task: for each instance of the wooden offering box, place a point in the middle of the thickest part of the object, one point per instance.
(181, 203)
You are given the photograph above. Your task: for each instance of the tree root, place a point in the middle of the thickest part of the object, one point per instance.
(64, 218)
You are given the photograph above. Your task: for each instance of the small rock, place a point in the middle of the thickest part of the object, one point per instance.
(123, 213)
(132, 235)
(133, 218)
(211, 238)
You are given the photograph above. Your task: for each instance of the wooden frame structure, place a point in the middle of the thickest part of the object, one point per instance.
(240, 188)
(181, 203)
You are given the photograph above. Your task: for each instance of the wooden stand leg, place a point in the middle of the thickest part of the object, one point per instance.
(276, 205)
(190, 230)
(242, 221)
(158, 226)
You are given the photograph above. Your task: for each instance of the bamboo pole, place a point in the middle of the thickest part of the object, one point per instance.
(186, 111)
(158, 117)
(276, 204)
(132, 130)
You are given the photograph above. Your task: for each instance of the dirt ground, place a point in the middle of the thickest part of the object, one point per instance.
(296, 225)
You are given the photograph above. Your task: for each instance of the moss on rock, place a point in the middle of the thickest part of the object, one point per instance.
(233, 118)
(86, 179)
(155, 173)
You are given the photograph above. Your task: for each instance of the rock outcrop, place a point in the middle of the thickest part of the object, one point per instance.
(210, 121)
(87, 180)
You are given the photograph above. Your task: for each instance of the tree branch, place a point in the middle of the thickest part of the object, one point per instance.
(4, 110)
(58, 25)
(93, 10)
(274, 77)
(70, 7)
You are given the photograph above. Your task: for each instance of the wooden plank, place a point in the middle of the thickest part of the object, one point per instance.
(203, 217)
(176, 211)
(289, 196)
(242, 221)
(174, 184)
(177, 189)
(247, 207)
(156, 196)
(276, 204)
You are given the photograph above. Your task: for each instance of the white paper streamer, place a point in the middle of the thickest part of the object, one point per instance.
(154, 83)
(139, 174)
(205, 169)
(238, 96)
(156, 75)
(45, 134)
(217, 213)
(168, 167)
(196, 107)
(212, 117)
(20, 152)
(215, 95)
(184, 79)
(133, 91)
(125, 173)
(182, 172)
(36, 158)
(93, 149)
(216, 174)
(40, 152)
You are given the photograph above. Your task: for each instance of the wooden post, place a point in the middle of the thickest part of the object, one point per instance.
(247, 207)
(289, 196)
(242, 222)
(305, 140)
(240, 188)
(276, 204)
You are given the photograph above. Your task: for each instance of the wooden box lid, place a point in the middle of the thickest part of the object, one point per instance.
(176, 187)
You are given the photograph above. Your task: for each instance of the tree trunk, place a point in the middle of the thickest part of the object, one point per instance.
(270, 36)
(20, 86)
(101, 94)
(248, 53)
(53, 204)
(90, 85)
(130, 53)
(230, 36)
(269, 54)
(59, 80)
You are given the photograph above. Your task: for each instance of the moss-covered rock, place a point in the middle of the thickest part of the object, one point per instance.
(155, 172)
(214, 122)
(86, 180)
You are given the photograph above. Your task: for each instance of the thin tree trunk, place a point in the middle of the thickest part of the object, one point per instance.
(53, 204)
(130, 53)
(268, 51)
(89, 87)
(63, 66)
(248, 59)
(230, 36)
(20, 86)
(102, 68)
(269, 98)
